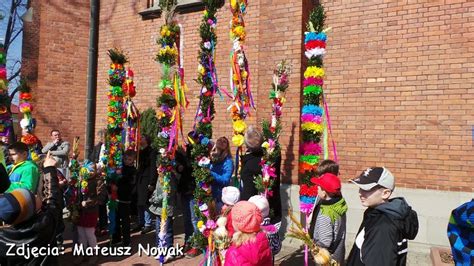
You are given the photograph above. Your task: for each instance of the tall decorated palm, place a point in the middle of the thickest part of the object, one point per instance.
(113, 140)
(171, 104)
(201, 136)
(312, 113)
(239, 80)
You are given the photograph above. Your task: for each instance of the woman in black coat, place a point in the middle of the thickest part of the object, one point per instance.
(145, 183)
(251, 163)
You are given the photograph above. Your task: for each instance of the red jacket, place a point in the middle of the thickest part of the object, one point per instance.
(253, 253)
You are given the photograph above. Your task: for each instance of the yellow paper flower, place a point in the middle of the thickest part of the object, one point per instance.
(200, 224)
(244, 74)
(233, 4)
(238, 140)
(314, 72)
(205, 13)
(310, 126)
(201, 69)
(84, 183)
(266, 145)
(164, 29)
(239, 126)
(239, 32)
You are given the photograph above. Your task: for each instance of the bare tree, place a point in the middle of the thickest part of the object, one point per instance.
(14, 29)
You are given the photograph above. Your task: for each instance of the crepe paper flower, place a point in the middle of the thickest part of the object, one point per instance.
(310, 159)
(239, 32)
(314, 71)
(312, 81)
(268, 171)
(26, 107)
(204, 141)
(311, 148)
(309, 126)
(210, 224)
(315, 52)
(26, 96)
(306, 208)
(265, 145)
(311, 118)
(200, 225)
(238, 140)
(312, 89)
(310, 36)
(239, 126)
(312, 109)
(207, 45)
(310, 191)
(314, 44)
(204, 162)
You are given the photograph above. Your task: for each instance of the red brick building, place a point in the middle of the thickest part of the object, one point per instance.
(400, 77)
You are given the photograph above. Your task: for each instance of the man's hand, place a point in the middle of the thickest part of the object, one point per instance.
(49, 160)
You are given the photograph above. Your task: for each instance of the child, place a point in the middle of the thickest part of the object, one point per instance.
(223, 234)
(328, 221)
(23, 173)
(249, 244)
(387, 223)
(155, 208)
(230, 196)
(89, 209)
(221, 169)
(122, 230)
(270, 230)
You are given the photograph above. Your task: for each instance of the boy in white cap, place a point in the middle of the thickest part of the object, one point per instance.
(387, 223)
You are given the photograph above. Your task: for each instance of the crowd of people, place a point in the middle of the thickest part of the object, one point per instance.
(33, 197)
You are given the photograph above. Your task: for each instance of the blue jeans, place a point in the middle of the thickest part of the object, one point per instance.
(145, 217)
(190, 220)
(169, 231)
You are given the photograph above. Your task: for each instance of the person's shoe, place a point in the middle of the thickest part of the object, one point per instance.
(146, 230)
(192, 253)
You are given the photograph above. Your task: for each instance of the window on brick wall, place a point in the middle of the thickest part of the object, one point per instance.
(154, 11)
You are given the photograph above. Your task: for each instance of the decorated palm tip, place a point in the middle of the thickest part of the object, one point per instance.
(272, 129)
(5, 114)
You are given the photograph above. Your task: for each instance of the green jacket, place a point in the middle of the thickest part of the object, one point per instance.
(23, 175)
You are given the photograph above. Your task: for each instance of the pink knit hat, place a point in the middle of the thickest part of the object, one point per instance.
(246, 217)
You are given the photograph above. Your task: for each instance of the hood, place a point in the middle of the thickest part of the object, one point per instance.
(402, 216)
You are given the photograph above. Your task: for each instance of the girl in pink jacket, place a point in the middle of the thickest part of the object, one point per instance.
(249, 244)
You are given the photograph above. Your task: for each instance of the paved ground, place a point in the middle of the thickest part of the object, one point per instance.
(291, 253)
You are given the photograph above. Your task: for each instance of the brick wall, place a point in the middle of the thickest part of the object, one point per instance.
(55, 49)
(400, 87)
(399, 77)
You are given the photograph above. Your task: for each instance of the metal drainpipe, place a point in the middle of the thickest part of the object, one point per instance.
(92, 76)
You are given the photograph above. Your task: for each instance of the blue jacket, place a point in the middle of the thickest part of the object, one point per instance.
(222, 173)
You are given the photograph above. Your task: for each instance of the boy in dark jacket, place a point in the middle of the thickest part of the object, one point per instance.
(122, 231)
(387, 223)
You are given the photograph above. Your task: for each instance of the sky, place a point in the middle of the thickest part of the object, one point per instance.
(14, 52)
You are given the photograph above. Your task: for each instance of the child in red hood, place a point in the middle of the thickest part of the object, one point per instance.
(249, 244)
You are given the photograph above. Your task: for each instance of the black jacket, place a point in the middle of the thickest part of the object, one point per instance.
(146, 175)
(4, 180)
(250, 168)
(186, 183)
(125, 183)
(38, 231)
(386, 229)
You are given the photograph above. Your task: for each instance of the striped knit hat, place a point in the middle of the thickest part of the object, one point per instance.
(17, 206)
